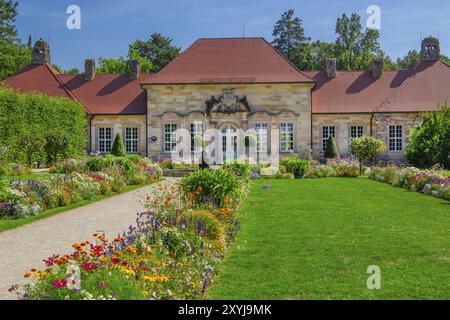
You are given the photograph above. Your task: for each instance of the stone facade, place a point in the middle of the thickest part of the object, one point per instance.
(268, 103)
(382, 123)
(342, 124)
(377, 125)
(118, 123)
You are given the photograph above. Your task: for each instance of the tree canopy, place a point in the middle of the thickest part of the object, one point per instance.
(13, 54)
(158, 49)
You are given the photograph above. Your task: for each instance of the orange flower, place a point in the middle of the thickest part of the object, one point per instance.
(166, 202)
(27, 274)
(131, 250)
(192, 196)
(33, 269)
(200, 188)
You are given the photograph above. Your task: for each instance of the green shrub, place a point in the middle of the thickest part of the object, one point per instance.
(429, 142)
(96, 164)
(239, 168)
(56, 146)
(298, 167)
(215, 187)
(118, 148)
(30, 116)
(331, 150)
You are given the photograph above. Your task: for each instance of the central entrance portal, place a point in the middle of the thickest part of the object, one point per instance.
(229, 142)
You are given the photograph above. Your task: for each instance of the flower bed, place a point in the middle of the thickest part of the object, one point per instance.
(76, 182)
(432, 182)
(170, 253)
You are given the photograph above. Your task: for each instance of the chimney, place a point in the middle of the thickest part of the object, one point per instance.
(89, 69)
(431, 50)
(135, 69)
(41, 53)
(330, 68)
(377, 68)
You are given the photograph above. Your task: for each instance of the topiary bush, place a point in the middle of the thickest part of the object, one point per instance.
(118, 148)
(331, 150)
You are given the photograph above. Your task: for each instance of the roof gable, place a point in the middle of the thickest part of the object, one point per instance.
(41, 78)
(229, 60)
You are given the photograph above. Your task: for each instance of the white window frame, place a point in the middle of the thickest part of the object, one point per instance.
(195, 130)
(327, 132)
(356, 132)
(132, 139)
(262, 130)
(170, 137)
(104, 141)
(286, 137)
(395, 138)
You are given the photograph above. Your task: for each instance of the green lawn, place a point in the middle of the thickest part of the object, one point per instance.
(314, 239)
(10, 224)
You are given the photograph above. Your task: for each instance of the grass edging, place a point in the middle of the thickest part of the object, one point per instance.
(8, 224)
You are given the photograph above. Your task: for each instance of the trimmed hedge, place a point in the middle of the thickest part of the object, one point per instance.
(25, 116)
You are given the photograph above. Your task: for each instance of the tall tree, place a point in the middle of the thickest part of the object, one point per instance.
(320, 51)
(355, 48)
(8, 14)
(158, 49)
(290, 40)
(13, 55)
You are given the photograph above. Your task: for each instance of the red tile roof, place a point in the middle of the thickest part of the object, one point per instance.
(229, 60)
(109, 93)
(426, 87)
(40, 78)
(401, 91)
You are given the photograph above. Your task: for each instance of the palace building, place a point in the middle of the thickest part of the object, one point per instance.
(244, 83)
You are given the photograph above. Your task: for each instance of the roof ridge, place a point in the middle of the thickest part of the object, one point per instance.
(65, 88)
(287, 60)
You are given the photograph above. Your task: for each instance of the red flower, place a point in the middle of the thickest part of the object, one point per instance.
(57, 284)
(115, 260)
(89, 266)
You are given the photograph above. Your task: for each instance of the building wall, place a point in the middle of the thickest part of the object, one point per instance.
(118, 123)
(380, 130)
(272, 103)
(382, 121)
(342, 122)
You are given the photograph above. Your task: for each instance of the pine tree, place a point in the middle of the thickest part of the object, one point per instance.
(118, 148)
(290, 40)
(331, 150)
(8, 14)
(30, 42)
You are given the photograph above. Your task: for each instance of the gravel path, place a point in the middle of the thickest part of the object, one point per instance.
(26, 246)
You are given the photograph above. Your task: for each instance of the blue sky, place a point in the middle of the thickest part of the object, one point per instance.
(109, 26)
